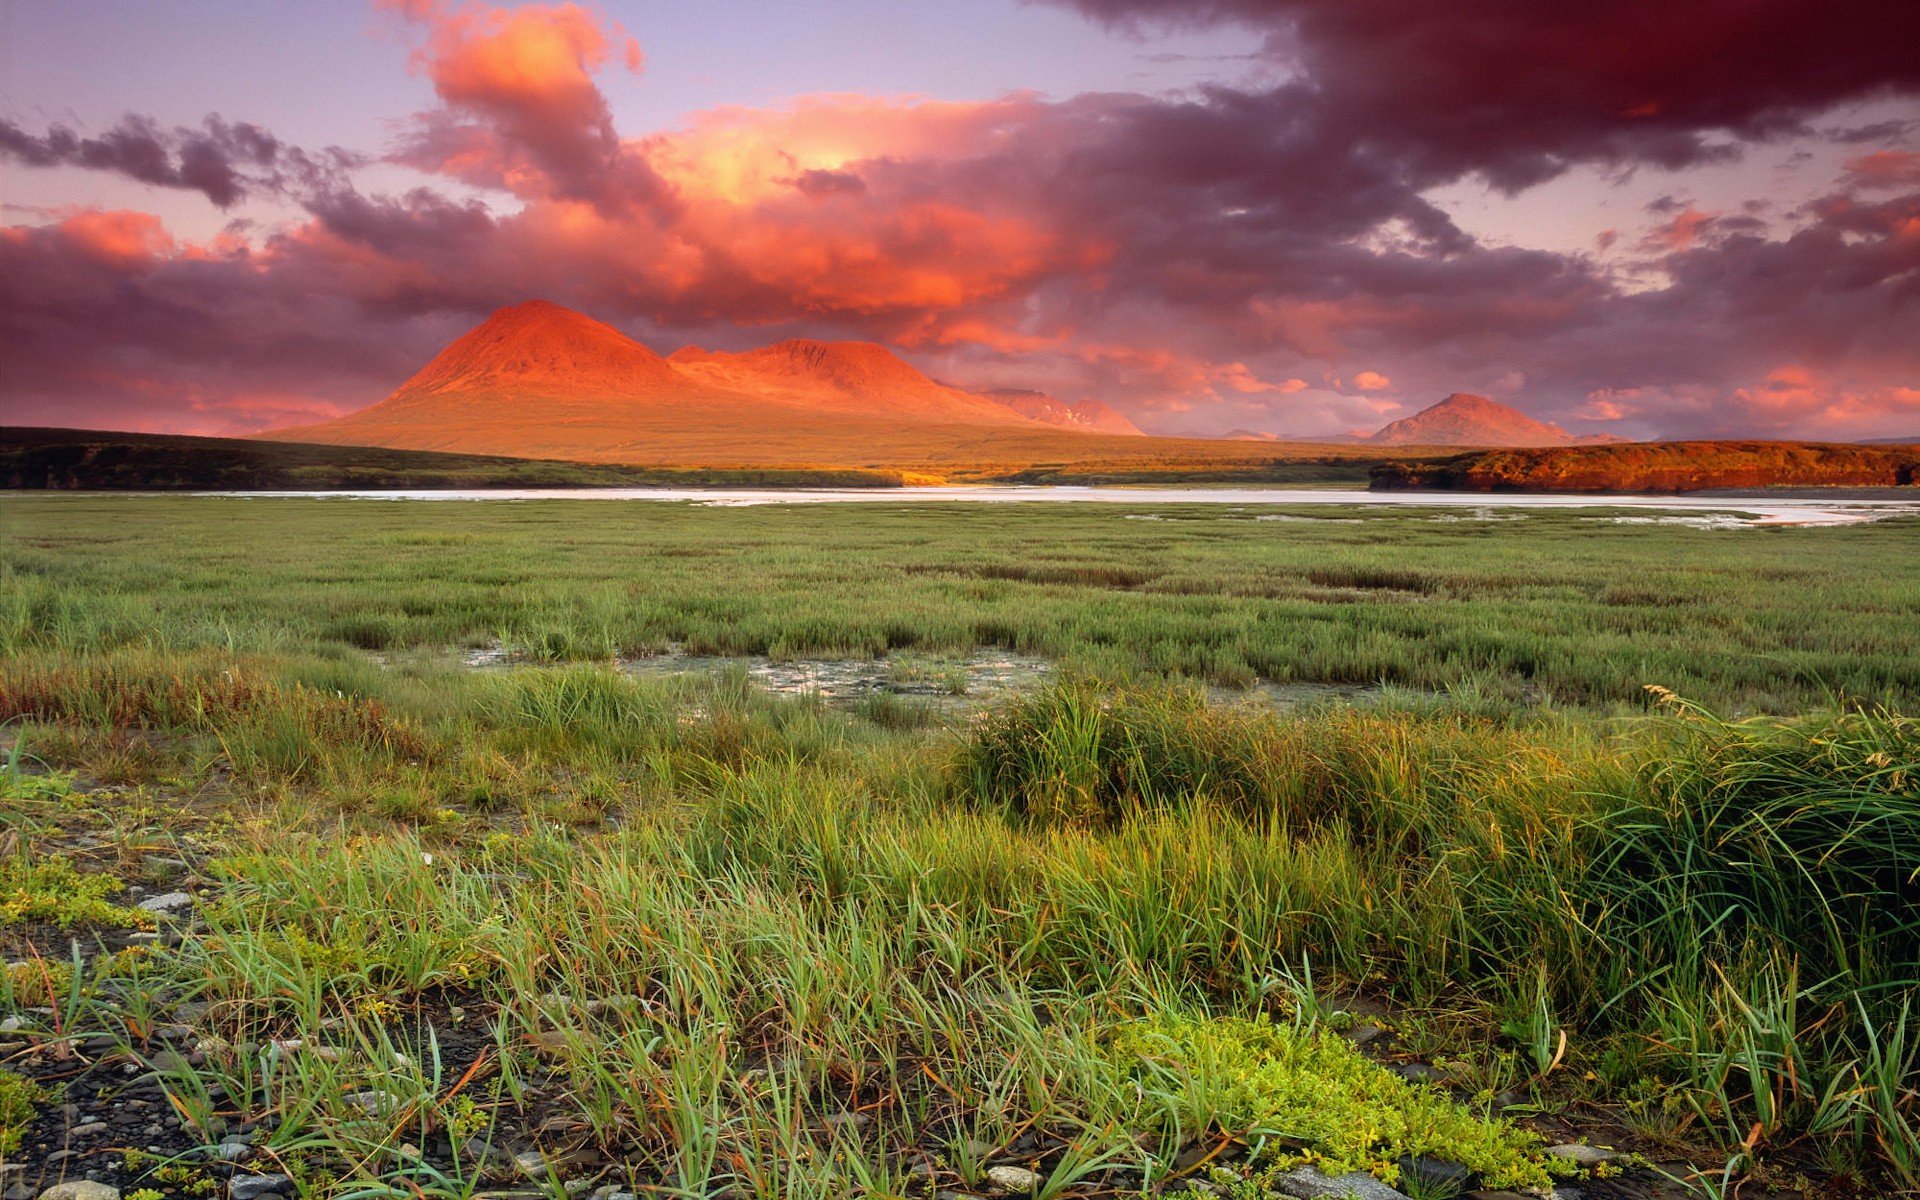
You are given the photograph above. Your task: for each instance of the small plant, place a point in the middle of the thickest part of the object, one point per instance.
(52, 890)
(1301, 1096)
(20, 1101)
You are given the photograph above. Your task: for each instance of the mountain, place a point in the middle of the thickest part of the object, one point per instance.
(841, 377)
(540, 381)
(1463, 419)
(1086, 414)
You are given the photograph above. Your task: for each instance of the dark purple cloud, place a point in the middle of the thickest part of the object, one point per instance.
(224, 161)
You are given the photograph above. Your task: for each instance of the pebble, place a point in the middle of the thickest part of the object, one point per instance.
(255, 1187)
(1582, 1154)
(90, 1129)
(166, 902)
(1017, 1180)
(1360, 1035)
(81, 1189)
(1310, 1183)
(532, 1165)
(12, 1025)
(1420, 1073)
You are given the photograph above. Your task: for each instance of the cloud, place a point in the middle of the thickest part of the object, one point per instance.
(1518, 91)
(1202, 254)
(1885, 169)
(224, 161)
(522, 112)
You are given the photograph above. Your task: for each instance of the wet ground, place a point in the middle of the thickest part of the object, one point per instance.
(974, 681)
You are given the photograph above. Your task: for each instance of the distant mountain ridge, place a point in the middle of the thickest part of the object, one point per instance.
(1083, 414)
(1464, 419)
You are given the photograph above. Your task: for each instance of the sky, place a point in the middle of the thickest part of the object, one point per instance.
(1304, 217)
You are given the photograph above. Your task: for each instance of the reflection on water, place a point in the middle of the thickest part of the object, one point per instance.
(1745, 512)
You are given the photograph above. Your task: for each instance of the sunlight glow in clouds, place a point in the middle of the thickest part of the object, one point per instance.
(1193, 258)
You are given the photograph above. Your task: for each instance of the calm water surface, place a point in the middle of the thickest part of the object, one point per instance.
(1711, 512)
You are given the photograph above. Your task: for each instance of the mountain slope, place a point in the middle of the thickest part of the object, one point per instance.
(1463, 419)
(1090, 415)
(840, 377)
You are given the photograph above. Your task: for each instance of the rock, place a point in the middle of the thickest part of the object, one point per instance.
(1017, 1181)
(12, 1025)
(1310, 1183)
(1497, 1196)
(80, 1189)
(254, 1187)
(20, 1191)
(233, 1152)
(1421, 1073)
(90, 1129)
(378, 1104)
(1360, 1035)
(162, 868)
(166, 902)
(1582, 1154)
(532, 1165)
(1434, 1175)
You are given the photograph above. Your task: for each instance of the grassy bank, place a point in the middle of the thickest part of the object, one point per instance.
(681, 935)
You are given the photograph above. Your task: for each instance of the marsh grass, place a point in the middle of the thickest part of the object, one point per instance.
(725, 939)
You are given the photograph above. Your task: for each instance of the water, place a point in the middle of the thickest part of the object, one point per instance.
(1725, 511)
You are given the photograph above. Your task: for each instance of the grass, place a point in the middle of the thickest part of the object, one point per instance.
(1551, 609)
(685, 935)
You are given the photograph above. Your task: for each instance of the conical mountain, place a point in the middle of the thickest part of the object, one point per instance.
(1464, 419)
(540, 344)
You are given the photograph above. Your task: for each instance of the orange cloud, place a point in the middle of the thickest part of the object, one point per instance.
(1885, 168)
(537, 55)
(119, 238)
(1680, 233)
(1372, 381)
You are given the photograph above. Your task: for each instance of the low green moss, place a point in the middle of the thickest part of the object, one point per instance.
(1311, 1097)
(20, 1101)
(52, 890)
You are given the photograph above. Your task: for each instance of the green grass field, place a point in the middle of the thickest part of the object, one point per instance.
(457, 930)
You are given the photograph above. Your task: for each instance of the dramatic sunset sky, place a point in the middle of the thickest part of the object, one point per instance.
(1697, 217)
